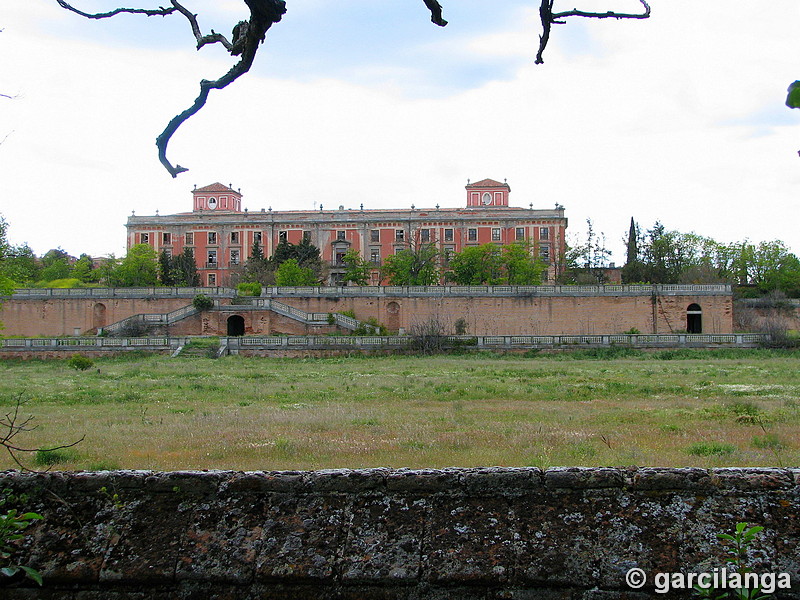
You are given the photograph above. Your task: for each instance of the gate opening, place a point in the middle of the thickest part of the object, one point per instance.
(235, 325)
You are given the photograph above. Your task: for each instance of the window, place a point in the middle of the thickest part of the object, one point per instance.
(495, 234)
(212, 237)
(375, 256)
(257, 236)
(282, 237)
(375, 235)
(544, 253)
(448, 235)
(234, 237)
(472, 235)
(212, 257)
(339, 259)
(212, 279)
(189, 237)
(519, 233)
(399, 235)
(424, 235)
(168, 252)
(340, 235)
(544, 233)
(144, 238)
(307, 236)
(234, 257)
(448, 254)
(166, 238)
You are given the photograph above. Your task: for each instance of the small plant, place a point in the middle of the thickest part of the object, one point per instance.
(12, 524)
(80, 362)
(331, 319)
(738, 545)
(632, 331)
(202, 302)
(113, 498)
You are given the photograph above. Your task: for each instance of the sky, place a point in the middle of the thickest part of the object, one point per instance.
(679, 118)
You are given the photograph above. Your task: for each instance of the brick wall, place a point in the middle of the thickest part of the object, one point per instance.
(523, 533)
(483, 315)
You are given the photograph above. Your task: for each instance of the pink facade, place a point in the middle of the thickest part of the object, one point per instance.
(222, 233)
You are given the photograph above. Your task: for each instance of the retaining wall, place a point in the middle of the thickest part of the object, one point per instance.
(522, 533)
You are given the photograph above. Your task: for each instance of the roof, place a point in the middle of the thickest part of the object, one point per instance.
(215, 187)
(487, 183)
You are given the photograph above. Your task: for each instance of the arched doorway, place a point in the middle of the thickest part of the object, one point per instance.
(235, 325)
(694, 319)
(98, 316)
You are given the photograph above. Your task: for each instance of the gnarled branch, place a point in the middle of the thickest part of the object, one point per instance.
(13, 426)
(436, 12)
(150, 12)
(549, 18)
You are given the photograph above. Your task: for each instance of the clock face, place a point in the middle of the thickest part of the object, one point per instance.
(487, 198)
(212, 203)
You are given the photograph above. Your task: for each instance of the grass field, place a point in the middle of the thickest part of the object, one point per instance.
(669, 408)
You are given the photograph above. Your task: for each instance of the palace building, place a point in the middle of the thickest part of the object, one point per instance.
(222, 233)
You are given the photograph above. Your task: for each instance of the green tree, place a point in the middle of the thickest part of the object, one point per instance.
(476, 265)
(416, 265)
(6, 283)
(184, 269)
(139, 267)
(21, 265)
(290, 273)
(55, 265)
(258, 269)
(520, 267)
(356, 270)
(166, 269)
(84, 270)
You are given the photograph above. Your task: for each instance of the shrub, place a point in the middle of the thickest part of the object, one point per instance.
(203, 302)
(80, 362)
(252, 288)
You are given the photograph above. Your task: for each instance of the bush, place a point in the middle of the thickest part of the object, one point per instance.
(203, 302)
(249, 289)
(80, 362)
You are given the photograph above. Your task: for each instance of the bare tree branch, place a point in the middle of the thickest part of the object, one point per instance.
(13, 426)
(247, 37)
(436, 12)
(138, 11)
(549, 18)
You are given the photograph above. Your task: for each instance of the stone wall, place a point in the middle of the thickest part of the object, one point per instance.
(521, 533)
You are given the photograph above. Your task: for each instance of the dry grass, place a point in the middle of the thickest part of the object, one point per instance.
(238, 413)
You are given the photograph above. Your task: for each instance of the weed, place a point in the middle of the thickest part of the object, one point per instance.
(80, 362)
(12, 524)
(711, 449)
(742, 583)
(50, 458)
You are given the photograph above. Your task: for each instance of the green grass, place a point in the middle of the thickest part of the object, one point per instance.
(697, 408)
